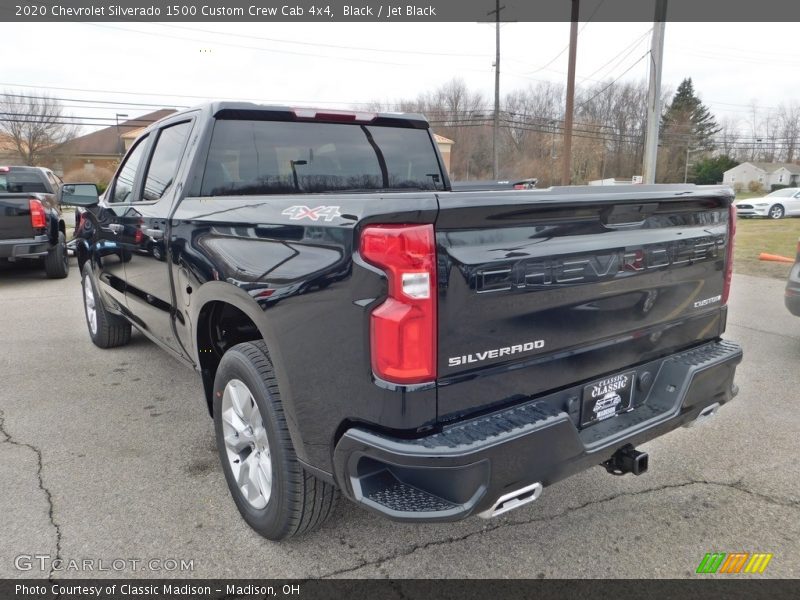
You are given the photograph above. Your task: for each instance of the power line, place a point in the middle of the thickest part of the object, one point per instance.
(321, 45)
(194, 97)
(630, 48)
(34, 116)
(557, 56)
(625, 72)
(82, 100)
(260, 48)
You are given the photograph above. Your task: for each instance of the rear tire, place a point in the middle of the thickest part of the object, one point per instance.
(105, 330)
(272, 491)
(776, 212)
(56, 263)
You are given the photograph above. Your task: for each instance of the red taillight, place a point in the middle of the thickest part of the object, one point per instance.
(403, 327)
(726, 290)
(38, 217)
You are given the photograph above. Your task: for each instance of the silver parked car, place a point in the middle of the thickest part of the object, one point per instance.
(778, 204)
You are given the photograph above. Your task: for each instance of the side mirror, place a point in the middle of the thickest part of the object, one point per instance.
(79, 194)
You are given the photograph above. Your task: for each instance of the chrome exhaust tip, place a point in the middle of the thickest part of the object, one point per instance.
(705, 414)
(513, 500)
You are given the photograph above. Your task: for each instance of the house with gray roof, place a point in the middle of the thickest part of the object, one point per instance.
(767, 174)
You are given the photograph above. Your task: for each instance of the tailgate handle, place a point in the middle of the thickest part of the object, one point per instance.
(627, 215)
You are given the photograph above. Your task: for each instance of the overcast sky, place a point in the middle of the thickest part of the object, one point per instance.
(341, 64)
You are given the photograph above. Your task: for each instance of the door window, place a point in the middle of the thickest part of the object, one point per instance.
(53, 180)
(166, 159)
(123, 186)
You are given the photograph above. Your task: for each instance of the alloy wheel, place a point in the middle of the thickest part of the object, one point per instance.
(246, 443)
(89, 303)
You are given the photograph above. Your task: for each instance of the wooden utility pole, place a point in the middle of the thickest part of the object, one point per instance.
(566, 169)
(654, 94)
(496, 12)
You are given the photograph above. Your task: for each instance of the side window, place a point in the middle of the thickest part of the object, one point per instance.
(123, 186)
(53, 180)
(166, 159)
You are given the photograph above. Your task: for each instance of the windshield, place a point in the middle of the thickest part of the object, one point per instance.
(279, 157)
(784, 193)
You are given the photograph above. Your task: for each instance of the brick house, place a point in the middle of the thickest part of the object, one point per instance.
(101, 150)
(445, 145)
(8, 151)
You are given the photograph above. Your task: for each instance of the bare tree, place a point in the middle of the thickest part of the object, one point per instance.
(35, 125)
(532, 122)
(728, 139)
(755, 129)
(789, 125)
(615, 114)
(608, 132)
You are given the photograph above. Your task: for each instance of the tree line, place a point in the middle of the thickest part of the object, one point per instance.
(608, 131)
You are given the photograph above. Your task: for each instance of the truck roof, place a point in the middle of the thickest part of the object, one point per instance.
(251, 110)
(7, 168)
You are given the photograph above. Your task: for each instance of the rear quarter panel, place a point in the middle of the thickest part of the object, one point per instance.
(302, 283)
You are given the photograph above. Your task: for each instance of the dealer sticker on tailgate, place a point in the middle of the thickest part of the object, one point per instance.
(607, 397)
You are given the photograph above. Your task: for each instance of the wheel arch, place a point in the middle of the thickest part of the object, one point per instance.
(225, 315)
(779, 205)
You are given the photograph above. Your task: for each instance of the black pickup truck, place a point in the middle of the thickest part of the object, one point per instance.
(31, 224)
(361, 328)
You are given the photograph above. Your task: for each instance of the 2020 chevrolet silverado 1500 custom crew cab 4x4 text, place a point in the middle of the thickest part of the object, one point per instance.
(361, 328)
(31, 224)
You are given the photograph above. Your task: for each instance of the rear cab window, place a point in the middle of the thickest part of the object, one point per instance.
(22, 182)
(249, 157)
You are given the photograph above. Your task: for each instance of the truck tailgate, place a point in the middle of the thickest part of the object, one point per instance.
(15, 217)
(542, 289)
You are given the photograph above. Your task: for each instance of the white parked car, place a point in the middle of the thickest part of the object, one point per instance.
(778, 204)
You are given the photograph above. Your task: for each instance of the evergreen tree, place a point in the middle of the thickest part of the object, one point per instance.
(687, 115)
(687, 126)
(708, 171)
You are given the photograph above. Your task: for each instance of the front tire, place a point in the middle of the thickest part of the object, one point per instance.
(105, 330)
(776, 212)
(272, 491)
(56, 263)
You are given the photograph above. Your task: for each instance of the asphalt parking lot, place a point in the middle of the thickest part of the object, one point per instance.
(110, 455)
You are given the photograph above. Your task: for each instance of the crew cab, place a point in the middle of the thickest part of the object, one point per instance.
(361, 329)
(31, 224)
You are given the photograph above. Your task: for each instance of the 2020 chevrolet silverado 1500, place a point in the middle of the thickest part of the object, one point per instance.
(31, 225)
(360, 328)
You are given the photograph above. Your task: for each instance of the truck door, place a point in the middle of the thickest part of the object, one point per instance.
(114, 228)
(147, 275)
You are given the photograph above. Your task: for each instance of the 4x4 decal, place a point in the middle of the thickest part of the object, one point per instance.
(295, 213)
